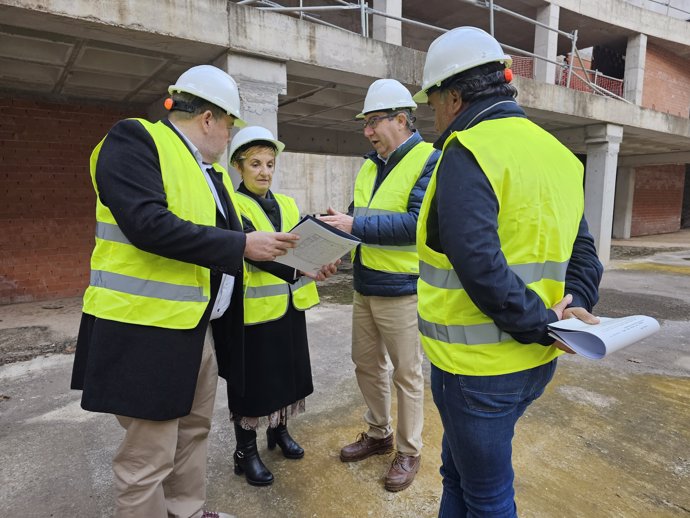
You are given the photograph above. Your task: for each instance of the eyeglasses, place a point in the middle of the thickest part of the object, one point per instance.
(374, 121)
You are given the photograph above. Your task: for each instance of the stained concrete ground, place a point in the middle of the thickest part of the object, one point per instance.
(610, 438)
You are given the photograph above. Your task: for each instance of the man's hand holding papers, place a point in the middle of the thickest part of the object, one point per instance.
(319, 248)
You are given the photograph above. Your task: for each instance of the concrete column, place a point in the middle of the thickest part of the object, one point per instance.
(387, 29)
(602, 143)
(260, 82)
(635, 55)
(546, 43)
(622, 211)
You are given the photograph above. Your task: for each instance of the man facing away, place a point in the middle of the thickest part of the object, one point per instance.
(165, 287)
(501, 239)
(388, 194)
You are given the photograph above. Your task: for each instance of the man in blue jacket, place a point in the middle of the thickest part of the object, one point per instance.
(388, 193)
(501, 239)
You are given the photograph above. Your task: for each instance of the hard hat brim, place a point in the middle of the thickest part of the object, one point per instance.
(421, 97)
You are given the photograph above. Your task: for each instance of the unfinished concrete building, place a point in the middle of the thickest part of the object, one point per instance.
(609, 78)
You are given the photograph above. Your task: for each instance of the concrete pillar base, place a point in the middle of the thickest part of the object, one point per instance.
(622, 212)
(603, 142)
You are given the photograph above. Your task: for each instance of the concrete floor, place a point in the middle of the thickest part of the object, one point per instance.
(610, 438)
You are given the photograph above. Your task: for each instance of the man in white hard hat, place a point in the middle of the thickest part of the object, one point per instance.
(166, 283)
(504, 250)
(388, 193)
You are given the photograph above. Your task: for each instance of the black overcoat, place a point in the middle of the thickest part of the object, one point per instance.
(150, 372)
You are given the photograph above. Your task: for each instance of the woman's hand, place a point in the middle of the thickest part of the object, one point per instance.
(326, 271)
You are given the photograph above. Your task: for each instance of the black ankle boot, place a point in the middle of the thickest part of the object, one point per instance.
(247, 459)
(281, 437)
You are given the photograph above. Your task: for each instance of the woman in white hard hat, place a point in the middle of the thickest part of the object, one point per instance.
(276, 363)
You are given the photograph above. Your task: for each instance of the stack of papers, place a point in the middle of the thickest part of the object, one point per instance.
(597, 340)
(319, 244)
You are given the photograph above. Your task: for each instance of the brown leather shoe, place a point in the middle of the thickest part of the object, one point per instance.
(366, 446)
(402, 472)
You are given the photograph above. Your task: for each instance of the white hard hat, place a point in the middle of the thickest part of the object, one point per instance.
(386, 94)
(458, 50)
(253, 134)
(213, 85)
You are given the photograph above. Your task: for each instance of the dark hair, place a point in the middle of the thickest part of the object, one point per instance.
(476, 83)
(187, 106)
(254, 143)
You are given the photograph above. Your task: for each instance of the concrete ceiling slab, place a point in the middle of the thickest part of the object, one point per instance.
(80, 58)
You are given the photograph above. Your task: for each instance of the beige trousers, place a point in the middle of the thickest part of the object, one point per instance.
(388, 326)
(160, 467)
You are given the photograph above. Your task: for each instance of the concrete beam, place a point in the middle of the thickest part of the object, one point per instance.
(263, 33)
(681, 157)
(572, 138)
(629, 16)
(301, 139)
(594, 108)
(199, 23)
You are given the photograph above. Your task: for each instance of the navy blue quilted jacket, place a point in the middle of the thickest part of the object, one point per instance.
(395, 229)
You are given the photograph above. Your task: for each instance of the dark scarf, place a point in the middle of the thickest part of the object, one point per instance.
(269, 205)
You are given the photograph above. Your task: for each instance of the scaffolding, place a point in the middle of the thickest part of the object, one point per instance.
(570, 73)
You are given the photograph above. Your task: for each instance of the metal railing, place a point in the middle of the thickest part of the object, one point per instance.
(571, 74)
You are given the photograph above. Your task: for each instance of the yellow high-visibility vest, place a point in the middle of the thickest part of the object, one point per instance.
(137, 287)
(266, 297)
(391, 197)
(538, 185)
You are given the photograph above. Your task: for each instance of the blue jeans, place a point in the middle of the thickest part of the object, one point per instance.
(479, 415)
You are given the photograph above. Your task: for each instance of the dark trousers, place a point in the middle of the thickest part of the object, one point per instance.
(479, 414)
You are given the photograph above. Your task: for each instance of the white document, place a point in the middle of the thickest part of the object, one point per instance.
(598, 340)
(319, 244)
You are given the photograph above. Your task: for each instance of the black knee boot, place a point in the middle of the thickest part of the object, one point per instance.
(247, 459)
(281, 437)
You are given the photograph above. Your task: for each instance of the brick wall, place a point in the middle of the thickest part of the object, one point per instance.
(46, 197)
(658, 199)
(666, 82)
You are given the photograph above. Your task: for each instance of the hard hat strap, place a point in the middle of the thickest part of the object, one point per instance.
(183, 106)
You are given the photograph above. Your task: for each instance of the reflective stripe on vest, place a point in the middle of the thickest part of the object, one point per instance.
(144, 288)
(133, 286)
(538, 186)
(528, 273)
(110, 232)
(391, 198)
(266, 296)
(478, 334)
(256, 292)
